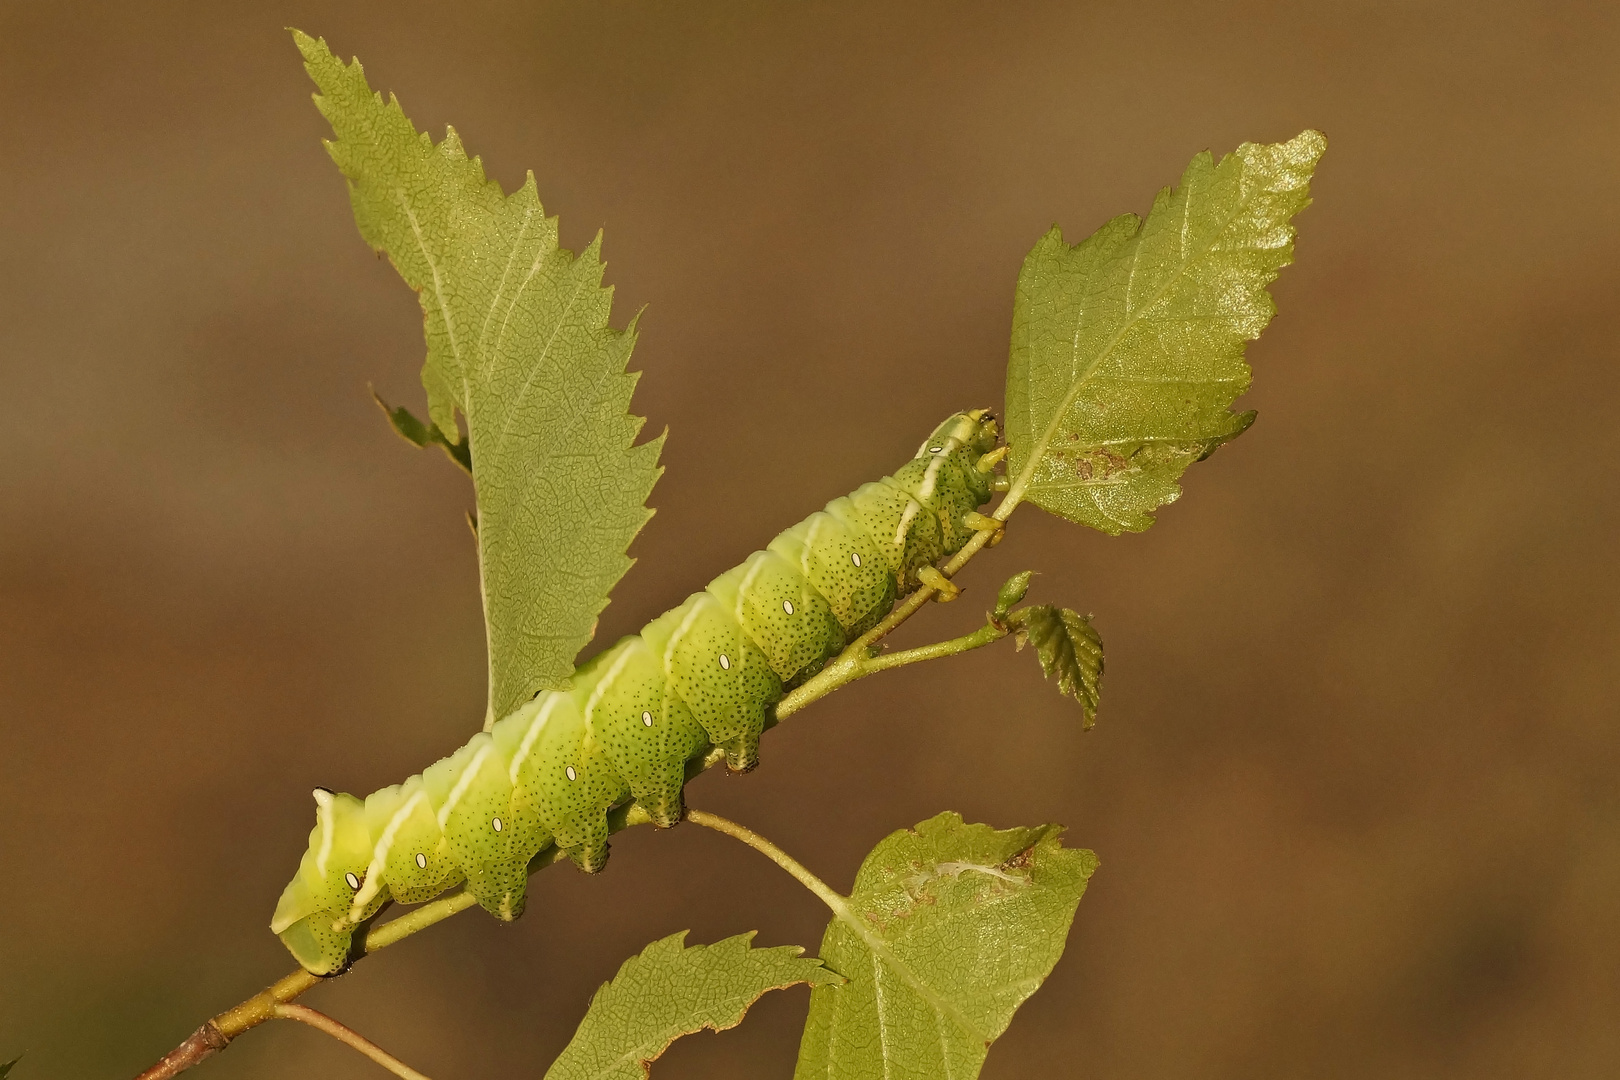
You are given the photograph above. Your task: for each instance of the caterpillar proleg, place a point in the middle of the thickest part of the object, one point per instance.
(703, 675)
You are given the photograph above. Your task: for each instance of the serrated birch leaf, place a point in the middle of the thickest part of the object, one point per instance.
(518, 341)
(1127, 348)
(668, 991)
(1068, 647)
(950, 928)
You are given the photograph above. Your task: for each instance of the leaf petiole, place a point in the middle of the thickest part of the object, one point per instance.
(841, 909)
(985, 635)
(824, 892)
(349, 1037)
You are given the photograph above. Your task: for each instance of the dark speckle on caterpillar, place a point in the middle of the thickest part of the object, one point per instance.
(704, 675)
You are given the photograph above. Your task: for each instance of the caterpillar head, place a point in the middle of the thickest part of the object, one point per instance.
(975, 432)
(969, 440)
(312, 917)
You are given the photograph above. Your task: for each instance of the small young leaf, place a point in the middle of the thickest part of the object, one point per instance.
(1012, 591)
(518, 341)
(1067, 646)
(413, 431)
(956, 926)
(1127, 349)
(668, 991)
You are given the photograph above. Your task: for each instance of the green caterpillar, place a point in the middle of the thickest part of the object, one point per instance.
(703, 675)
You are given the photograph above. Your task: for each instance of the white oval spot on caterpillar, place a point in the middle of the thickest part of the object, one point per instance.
(856, 558)
(646, 718)
(725, 662)
(354, 882)
(935, 449)
(421, 860)
(495, 823)
(787, 606)
(572, 775)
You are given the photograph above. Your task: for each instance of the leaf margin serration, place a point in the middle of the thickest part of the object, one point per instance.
(554, 521)
(752, 972)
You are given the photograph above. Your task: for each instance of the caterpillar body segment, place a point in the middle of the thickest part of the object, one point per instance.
(703, 675)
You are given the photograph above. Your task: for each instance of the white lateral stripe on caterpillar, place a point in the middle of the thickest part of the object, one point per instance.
(747, 583)
(680, 632)
(535, 727)
(601, 688)
(931, 476)
(323, 814)
(379, 855)
(463, 782)
(929, 480)
(913, 507)
(810, 545)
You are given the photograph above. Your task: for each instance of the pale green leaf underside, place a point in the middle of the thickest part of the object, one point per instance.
(963, 923)
(668, 991)
(1127, 348)
(1069, 650)
(518, 341)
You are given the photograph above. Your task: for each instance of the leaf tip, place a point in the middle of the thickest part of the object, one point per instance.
(1309, 144)
(314, 50)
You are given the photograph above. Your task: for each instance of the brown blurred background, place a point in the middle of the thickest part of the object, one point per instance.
(1353, 787)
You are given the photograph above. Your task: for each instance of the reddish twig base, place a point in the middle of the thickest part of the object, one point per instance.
(203, 1044)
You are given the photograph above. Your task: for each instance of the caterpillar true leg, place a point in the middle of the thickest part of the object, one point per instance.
(987, 464)
(946, 589)
(982, 523)
(703, 675)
